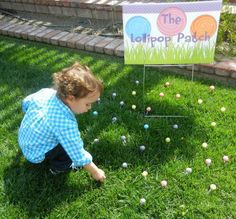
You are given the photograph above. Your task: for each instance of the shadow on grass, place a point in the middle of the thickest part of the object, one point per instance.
(27, 67)
(36, 191)
(111, 152)
(26, 74)
(31, 187)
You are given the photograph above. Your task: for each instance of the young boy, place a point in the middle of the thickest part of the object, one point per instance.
(49, 129)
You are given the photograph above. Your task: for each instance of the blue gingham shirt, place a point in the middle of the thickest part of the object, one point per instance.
(47, 122)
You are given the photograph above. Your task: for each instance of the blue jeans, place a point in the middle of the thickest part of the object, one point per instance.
(58, 159)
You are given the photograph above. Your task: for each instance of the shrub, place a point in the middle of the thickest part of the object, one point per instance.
(226, 39)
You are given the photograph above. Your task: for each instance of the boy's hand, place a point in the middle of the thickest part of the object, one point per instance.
(99, 175)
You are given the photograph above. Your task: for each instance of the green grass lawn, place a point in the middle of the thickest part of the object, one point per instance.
(28, 191)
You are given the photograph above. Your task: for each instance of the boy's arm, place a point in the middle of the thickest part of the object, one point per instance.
(69, 137)
(96, 173)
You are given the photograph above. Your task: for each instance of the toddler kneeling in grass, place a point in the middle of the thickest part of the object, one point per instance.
(49, 129)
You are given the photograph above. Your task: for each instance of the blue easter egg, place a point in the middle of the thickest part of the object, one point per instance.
(95, 113)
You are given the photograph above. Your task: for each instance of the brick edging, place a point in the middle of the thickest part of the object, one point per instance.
(223, 70)
(90, 43)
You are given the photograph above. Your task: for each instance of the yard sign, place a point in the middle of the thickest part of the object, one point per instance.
(170, 33)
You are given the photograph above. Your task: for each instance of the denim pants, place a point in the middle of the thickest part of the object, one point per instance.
(58, 159)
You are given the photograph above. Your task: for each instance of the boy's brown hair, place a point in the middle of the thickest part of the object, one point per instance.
(77, 80)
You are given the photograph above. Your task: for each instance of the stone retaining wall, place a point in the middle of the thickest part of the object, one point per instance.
(74, 8)
(94, 9)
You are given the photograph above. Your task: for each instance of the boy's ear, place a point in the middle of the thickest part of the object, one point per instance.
(70, 98)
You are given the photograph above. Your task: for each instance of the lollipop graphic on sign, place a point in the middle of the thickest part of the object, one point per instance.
(137, 26)
(171, 21)
(202, 25)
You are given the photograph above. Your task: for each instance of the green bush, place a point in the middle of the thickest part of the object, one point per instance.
(226, 39)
